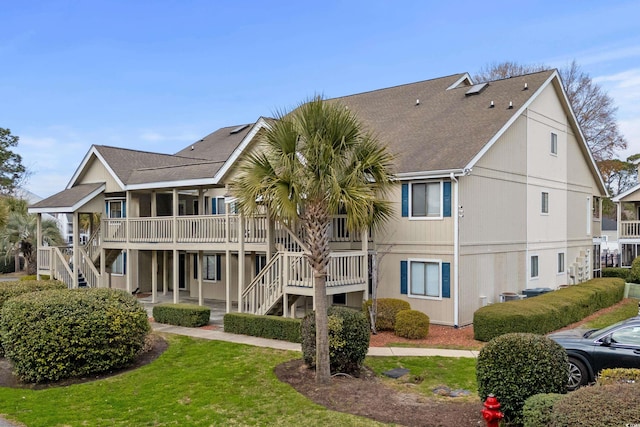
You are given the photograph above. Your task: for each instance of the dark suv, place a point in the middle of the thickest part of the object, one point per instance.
(590, 351)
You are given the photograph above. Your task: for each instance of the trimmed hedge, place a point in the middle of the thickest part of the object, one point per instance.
(538, 409)
(607, 405)
(618, 376)
(56, 334)
(189, 315)
(348, 339)
(273, 327)
(514, 367)
(547, 312)
(388, 309)
(620, 272)
(34, 277)
(412, 324)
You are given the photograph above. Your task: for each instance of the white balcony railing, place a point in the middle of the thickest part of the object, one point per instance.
(630, 229)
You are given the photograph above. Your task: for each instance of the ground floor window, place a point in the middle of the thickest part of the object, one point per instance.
(340, 299)
(561, 262)
(119, 266)
(596, 261)
(534, 266)
(424, 278)
(210, 267)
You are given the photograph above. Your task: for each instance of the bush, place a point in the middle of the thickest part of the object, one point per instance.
(622, 273)
(618, 376)
(189, 315)
(538, 409)
(634, 273)
(547, 312)
(56, 334)
(34, 277)
(412, 324)
(8, 265)
(608, 405)
(348, 339)
(517, 366)
(388, 309)
(273, 327)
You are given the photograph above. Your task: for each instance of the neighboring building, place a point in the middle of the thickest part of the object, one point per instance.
(496, 192)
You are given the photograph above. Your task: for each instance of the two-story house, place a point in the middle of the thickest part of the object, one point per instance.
(496, 191)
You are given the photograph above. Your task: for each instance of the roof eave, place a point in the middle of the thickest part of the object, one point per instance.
(69, 209)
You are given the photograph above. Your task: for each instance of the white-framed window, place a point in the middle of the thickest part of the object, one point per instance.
(115, 208)
(425, 280)
(210, 267)
(119, 266)
(544, 203)
(426, 200)
(596, 207)
(534, 266)
(560, 262)
(554, 144)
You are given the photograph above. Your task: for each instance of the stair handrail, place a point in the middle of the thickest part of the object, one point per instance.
(257, 300)
(291, 234)
(61, 270)
(92, 247)
(91, 275)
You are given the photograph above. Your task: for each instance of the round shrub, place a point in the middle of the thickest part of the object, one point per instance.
(387, 309)
(516, 366)
(607, 405)
(538, 409)
(56, 334)
(348, 339)
(412, 324)
(634, 273)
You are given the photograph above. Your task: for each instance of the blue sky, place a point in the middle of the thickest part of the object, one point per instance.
(159, 75)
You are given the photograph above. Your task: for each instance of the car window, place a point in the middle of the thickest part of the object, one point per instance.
(627, 336)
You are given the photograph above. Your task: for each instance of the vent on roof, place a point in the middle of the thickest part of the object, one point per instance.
(476, 89)
(238, 129)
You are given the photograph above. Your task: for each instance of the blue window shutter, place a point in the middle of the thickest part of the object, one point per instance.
(124, 209)
(214, 206)
(446, 280)
(446, 198)
(403, 277)
(218, 268)
(405, 199)
(124, 260)
(106, 208)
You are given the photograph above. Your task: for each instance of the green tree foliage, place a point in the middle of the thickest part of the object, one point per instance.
(594, 109)
(18, 235)
(312, 162)
(12, 171)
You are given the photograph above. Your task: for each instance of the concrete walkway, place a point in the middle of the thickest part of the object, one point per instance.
(219, 335)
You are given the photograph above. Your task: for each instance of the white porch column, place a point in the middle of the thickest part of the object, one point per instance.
(201, 206)
(129, 275)
(240, 261)
(365, 263)
(39, 244)
(154, 204)
(103, 267)
(165, 272)
(76, 249)
(154, 276)
(200, 261)
(227, 280)
(176, 207)
(270, 236)
(176, 276)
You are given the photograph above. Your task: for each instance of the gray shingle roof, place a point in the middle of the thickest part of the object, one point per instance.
(69, 197)
(447, 128)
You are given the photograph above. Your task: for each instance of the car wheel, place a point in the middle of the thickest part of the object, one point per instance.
(578, 375)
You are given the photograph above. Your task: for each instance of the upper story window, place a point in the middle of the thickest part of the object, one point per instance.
(554, 144)
(116, 209)
(544, 205)
(426, 200)
(596, 207)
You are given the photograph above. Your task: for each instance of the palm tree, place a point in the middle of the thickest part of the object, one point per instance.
(20, 235)
(312, 162)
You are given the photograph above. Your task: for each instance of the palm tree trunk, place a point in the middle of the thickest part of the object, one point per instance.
(323, 369)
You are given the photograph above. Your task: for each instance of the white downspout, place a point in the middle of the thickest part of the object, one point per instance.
(456, 252)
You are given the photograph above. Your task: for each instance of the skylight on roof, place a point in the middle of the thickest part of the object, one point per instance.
(476, 89)
(238, 129)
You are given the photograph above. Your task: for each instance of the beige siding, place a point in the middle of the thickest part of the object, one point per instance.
(96, 172)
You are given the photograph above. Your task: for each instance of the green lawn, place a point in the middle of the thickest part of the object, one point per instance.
(195, 383)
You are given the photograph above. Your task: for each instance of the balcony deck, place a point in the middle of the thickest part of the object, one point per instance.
(629, 230)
